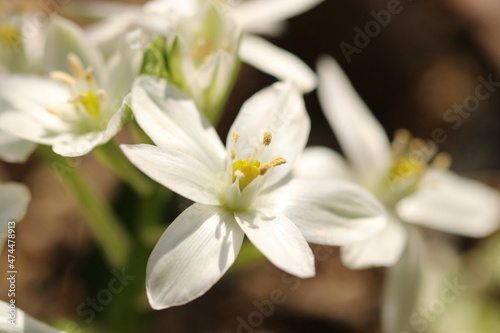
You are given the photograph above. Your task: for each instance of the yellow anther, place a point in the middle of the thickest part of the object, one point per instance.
(266, 166)
(268, 136)
(75, 64)
(63, 77)
(89, 77)
(416, 144)
(442, 161)
(53, 111)
(278, 161)
(233, 153)
(78, 97)
(236, 137)
(400, 142)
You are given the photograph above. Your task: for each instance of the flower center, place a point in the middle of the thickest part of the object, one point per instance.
(411, 157)
(86, 95)
(245, 171)
(9, 35)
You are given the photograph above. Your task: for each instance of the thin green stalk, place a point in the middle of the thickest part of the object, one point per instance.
(112, 156)
(106, 228)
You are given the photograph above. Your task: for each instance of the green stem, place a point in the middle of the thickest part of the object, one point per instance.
(111, 156)
(107, 229)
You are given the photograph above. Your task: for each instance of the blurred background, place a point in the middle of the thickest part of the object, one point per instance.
(427, 60)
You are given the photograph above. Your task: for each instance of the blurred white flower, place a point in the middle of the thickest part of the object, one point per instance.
(408, 177)
(199, 56)
(21, 50)
(23, 322)
(14, 199)
(72, 112)
(160, 16)
(245, 188)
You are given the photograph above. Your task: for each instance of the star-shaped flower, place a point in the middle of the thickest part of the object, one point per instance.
(81, 104)
(243, 188)
(407, 176)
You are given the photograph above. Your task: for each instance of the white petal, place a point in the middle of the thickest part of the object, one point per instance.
(327, 211)
(23, 324)
(13, 149)
(257, 13)
(167, 115)
(279, 240)
(23, 102)
(64, 37)
(278, 109)
(451, 203)
(277, 62)
(211, 81)
(123, 67)
(14, 199)
(73, 144)
(402, 287)
(362, 138)
(175, 168)
(321, 162)
(192, 255)
(382, 249)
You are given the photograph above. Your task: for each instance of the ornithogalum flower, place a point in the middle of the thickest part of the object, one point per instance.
(21, 47)
(14, 199)
(80, 105)
(407, 176)
(199, 56)
(244, 188)
(257, 16)
(23, 323)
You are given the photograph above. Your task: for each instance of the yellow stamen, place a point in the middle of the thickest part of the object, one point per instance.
(236, 137)
(266, 166)
(75, 64)
(442, 161)
(63, 77)
(400, 142)
(233, 154)
(53, 111)
(278, 161)
(268, 136)
(89, 77)
(78, 97)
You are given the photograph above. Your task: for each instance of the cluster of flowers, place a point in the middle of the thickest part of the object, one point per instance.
(171, 65)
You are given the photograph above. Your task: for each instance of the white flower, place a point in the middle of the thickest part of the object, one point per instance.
(21, 48)
(159, 17)
(200, 58)
(21, 40)
(23, 322)
(245, 188)
(14, 199)
(73, 113)
(412, 189)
